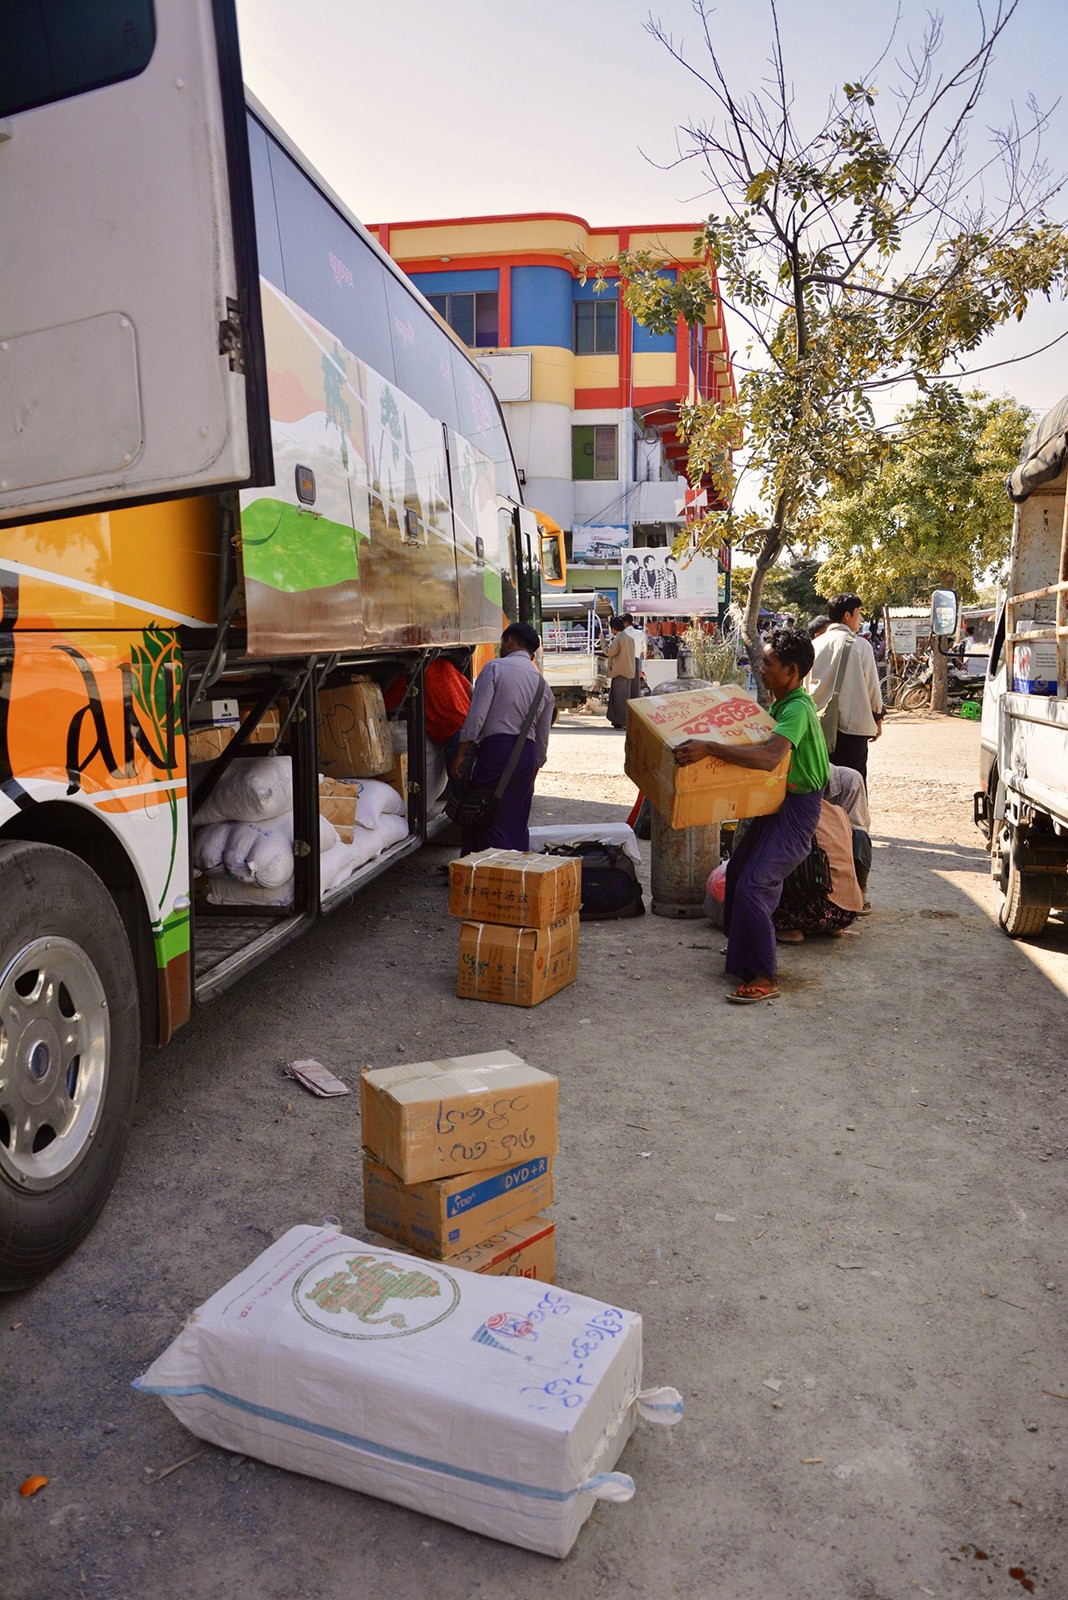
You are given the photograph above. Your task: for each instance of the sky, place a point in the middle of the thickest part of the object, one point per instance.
(421, 109)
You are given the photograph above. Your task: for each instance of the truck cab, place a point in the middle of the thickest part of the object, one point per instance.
(1022, 802)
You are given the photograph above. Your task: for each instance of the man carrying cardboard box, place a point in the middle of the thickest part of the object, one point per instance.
(773, 845)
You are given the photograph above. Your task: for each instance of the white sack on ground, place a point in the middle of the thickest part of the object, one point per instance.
(252, 789)
(500, 1404)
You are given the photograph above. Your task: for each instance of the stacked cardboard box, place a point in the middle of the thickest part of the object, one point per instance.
(519, 933)
(458, 1160)
(213, 723)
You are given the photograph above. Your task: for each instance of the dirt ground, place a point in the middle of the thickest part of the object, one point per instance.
(842, 1217)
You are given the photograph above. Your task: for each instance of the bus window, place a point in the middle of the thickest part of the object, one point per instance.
(553, 560)
(329, 271)
(53, 50)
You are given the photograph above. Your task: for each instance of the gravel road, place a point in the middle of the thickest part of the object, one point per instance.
(842, 1217)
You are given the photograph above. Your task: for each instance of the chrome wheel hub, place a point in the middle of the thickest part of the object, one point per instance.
(54, 1041)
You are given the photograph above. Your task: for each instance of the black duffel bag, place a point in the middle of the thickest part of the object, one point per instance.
(610, 886)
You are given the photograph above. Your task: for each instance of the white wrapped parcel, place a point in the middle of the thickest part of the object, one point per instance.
(499, 1404)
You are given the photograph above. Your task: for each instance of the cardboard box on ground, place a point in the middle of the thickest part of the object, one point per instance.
(514, 889)
(709, 791)
(516, 966)
(524, 947)
(443, 1217)
(525, 1251)
(438, 1119)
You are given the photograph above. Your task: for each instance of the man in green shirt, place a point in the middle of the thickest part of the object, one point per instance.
(772, 846)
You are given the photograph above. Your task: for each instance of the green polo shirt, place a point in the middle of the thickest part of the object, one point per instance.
(797, 719)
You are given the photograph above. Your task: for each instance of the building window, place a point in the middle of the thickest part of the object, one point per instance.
(474, 317)
(596, 323)
(594, 454)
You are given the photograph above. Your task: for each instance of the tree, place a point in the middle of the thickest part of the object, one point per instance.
(790, 587)
(857, 256)
(934, 513)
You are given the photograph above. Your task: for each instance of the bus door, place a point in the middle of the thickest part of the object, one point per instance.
(130, 351)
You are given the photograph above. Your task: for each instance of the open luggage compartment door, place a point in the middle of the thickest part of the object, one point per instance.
(130, 346)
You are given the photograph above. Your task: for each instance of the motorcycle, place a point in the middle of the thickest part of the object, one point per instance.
(915, 693)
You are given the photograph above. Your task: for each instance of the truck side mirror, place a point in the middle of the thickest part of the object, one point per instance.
(943, 615)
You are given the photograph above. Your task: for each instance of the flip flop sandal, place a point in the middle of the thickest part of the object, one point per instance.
(789, 936)
(750, 994)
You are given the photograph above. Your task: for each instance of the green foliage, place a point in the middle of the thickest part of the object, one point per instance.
(714, 657)
(854, 258)
(934, 512)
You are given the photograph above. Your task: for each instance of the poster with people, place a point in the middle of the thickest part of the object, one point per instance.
(659, 584)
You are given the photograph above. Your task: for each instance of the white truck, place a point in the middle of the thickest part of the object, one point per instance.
(1022, 802)
(572, 631)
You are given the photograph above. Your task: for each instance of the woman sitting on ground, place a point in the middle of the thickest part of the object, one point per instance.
(823, 894)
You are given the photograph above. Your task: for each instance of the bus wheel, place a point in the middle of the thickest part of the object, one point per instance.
(69, 1055)
(1019, 921)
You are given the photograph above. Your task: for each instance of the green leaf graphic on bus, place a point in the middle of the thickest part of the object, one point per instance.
(292, 552)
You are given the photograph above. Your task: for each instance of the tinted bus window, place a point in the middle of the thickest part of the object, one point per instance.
(329, 271)
(422, 354)
(481, 422)
(268, 244)
(53, 49)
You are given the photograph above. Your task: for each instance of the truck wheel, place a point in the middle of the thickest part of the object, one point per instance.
(69, 1055)
(1017, 920)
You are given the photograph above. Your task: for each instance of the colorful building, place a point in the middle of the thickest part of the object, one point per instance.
(591, 398)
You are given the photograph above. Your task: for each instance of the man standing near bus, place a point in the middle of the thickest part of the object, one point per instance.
(504, 693)
(846, 662)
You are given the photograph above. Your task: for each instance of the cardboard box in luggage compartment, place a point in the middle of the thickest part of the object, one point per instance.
(437, 1119)
(354, 739)
(516, 966)
(514, 888)
(708, 791)
(526, 1251)
(444, 1216)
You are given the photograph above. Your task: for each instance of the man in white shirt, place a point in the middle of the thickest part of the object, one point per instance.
(860, 699)
(637, 636)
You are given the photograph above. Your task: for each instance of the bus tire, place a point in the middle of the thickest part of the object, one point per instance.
(70, 1044)
(1014, 918)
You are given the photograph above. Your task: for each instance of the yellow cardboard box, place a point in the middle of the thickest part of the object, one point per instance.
(708, 791)
(205, 744)
(397, 776)
(354, 740)
(435, 1119)
(515, 888)
(516, 966)
(528, 1251)
(446, 1215)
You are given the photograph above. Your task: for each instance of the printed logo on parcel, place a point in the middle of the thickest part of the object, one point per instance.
(369, 1296)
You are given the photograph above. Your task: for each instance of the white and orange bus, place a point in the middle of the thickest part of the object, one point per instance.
(242, 462)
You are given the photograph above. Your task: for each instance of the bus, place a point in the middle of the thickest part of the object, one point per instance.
(251, 487)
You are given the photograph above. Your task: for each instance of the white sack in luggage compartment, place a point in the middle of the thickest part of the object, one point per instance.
(499, 1404)
(375, 801)
(252, 789)
(262, 852)
(335, 865)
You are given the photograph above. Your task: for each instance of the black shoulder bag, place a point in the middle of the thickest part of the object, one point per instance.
(476, 809)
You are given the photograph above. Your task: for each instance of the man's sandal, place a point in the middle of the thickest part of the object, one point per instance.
(750, 994)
